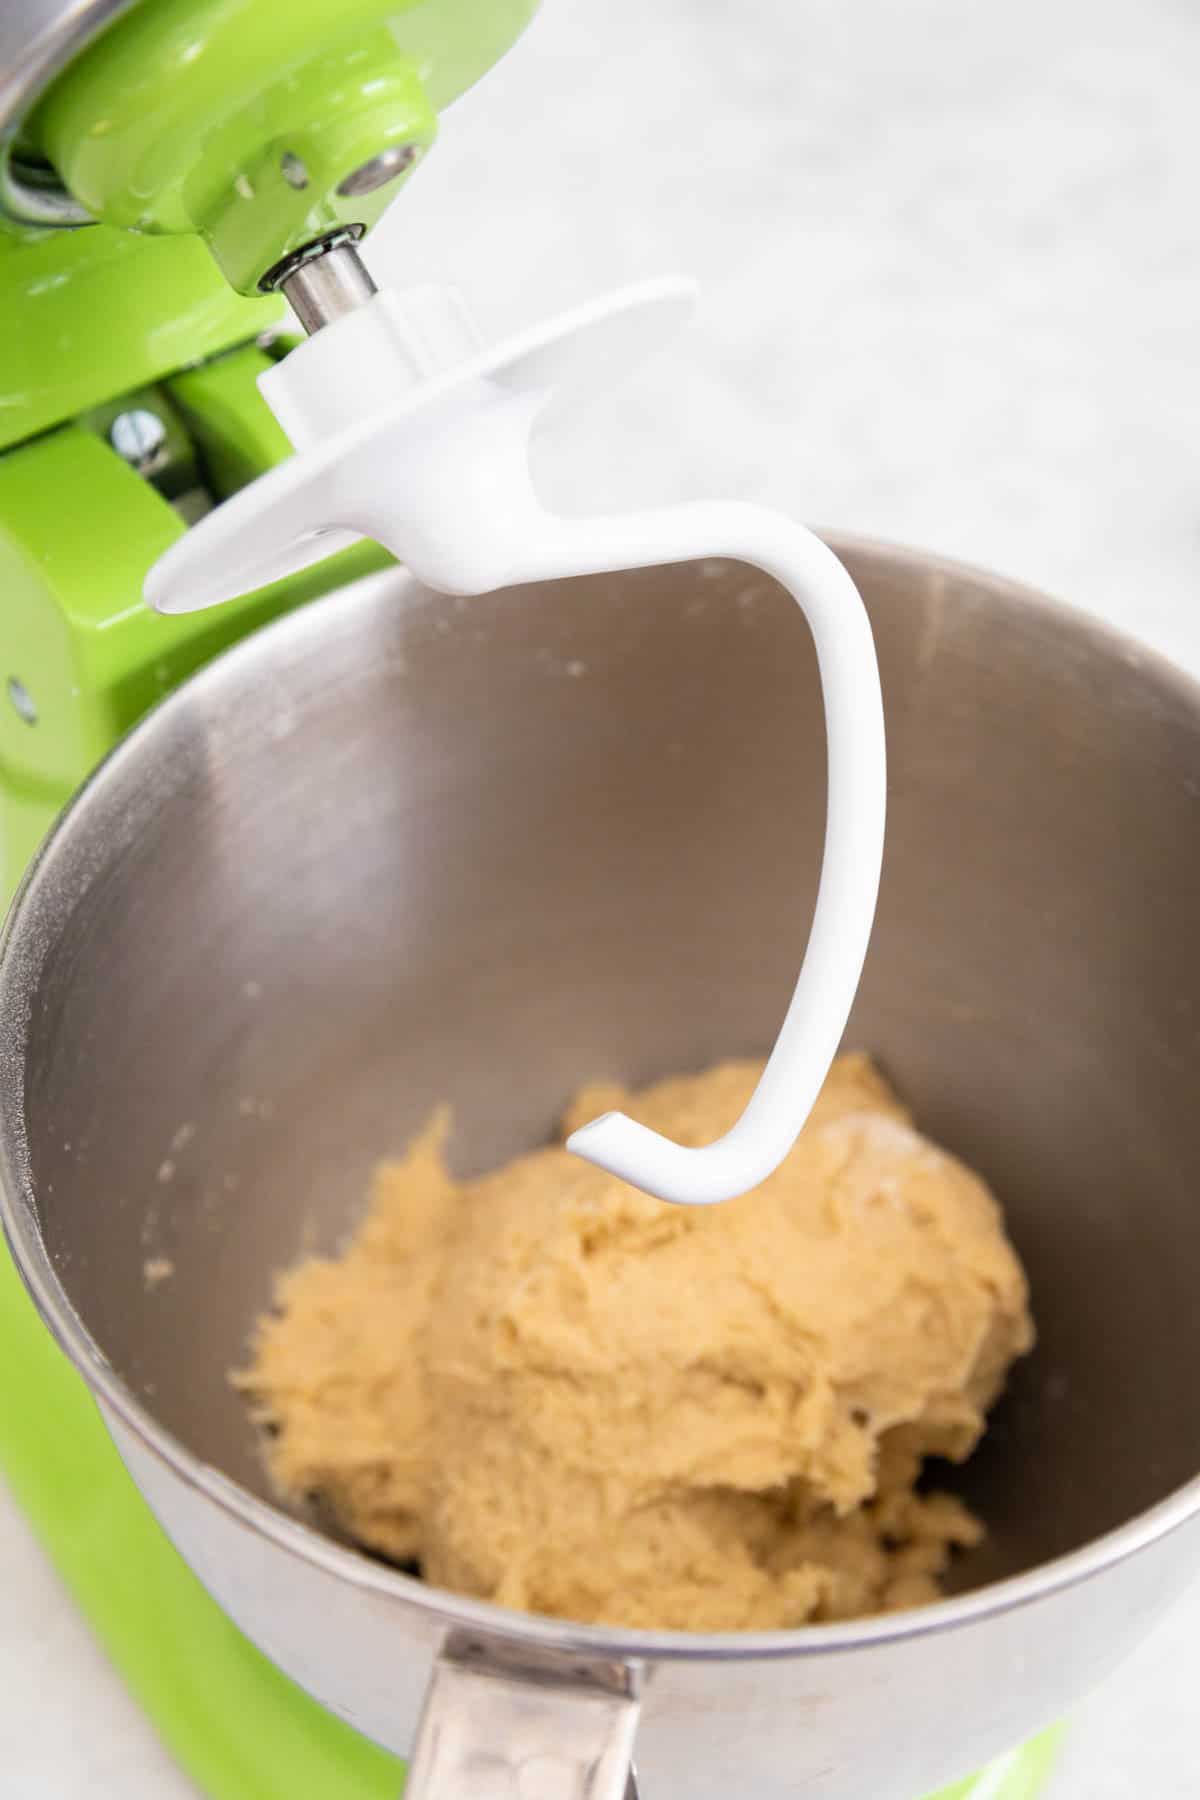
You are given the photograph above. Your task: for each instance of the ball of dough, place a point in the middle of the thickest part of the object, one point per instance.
(559, 1394)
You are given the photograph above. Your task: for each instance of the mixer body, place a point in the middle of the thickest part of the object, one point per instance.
(129, 407)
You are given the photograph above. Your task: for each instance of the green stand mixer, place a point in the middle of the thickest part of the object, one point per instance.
(168, 170)
(128, 380)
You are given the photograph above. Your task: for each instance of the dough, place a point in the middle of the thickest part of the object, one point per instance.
(554, 1392)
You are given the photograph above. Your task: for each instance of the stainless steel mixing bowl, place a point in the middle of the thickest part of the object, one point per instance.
(396, 850)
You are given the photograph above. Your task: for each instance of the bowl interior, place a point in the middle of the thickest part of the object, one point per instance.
(399, 850)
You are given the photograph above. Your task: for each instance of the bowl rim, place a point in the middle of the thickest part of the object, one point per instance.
(19, 973)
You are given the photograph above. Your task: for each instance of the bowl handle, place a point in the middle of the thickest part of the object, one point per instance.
(504, 1723)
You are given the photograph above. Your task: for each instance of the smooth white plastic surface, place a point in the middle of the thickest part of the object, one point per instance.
(407, 432)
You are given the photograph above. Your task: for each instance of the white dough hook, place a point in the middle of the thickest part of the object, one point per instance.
(408, 432)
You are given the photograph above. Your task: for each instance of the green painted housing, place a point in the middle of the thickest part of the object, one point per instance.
(242, 120)
(168, 129)
(91, 313)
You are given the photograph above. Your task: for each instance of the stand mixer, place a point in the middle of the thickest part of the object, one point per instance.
(278, 150)
(169, 169)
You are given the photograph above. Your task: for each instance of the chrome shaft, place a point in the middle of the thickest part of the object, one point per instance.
(327, 286)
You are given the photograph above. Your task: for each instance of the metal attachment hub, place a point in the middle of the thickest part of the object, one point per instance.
(324, 281)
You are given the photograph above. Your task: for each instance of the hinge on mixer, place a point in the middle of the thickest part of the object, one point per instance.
(201, 434)
(145, 430)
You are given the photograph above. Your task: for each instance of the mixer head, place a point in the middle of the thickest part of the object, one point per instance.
(276, 132)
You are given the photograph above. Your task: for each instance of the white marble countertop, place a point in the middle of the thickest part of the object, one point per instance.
(951, 262)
